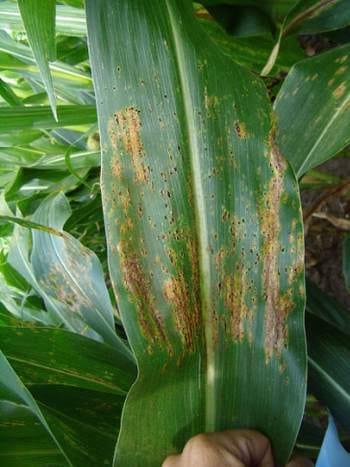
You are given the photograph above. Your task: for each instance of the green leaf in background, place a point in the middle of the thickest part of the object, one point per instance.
(253, 52)
(326, 307)
(315, 16)
(39, 20)
(311, 130)
(78, 384)
(346, 260)
(8, 95)
(312, 16)
(29, 157)
(204, 233)
(82, 423)
(13, 391)
(67, 275)
(44, 356)
(40, 117)
(86, 422)
(328, 357)
(19, 57)
(19, 427)
(69, 21)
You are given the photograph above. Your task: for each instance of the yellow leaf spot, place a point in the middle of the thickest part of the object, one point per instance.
(341, 70)
(339, 91)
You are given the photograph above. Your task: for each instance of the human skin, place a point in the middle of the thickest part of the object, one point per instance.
(232, 448)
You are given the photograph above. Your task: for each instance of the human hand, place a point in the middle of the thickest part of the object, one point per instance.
(232, 448)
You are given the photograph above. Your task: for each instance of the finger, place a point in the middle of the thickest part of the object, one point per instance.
(171, 461)
(246, 447)
(300, 462)
(249, 447)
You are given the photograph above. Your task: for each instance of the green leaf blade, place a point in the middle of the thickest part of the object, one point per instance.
(39, 20)
(193, 187)
(320, 126)
(40, 117)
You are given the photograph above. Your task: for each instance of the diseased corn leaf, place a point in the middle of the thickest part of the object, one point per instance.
(82, 423)
(315, 16)
(14, 300)
(58, 312)
(43, 356)
(39, 21)
(204, 234)
(15, 118)
(346, 261)
(310, 16)
(329, 382)
(64, 267)
(86, 422)
(24, 441)
(253, 52)
(13, 391)
(69, 21)
(67, 275)
(320, 126)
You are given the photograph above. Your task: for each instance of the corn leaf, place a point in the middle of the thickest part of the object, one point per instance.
(19, 427)
(67, 275)
(35, 117)
(82, 423)
(7, 94)
(326, 308)
(329, 382)
(310, 16)
(315, 16)
(39, 21)
(42, 356)
(13, 391)
(21, 57)
(253, 52)
(86, 422)
(69, 21)
(320, 126)
(204, 234)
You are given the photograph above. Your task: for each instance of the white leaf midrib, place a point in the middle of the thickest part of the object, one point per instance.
(200, 214)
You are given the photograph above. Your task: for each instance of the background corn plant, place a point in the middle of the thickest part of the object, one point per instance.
(201, 160)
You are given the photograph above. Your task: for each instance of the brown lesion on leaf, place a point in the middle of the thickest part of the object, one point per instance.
(177, 292)
(234, 294)
(241, 130)
(339, 90)
(138, 284)
(219, 257)
(116, 167)
(277, 307)
(125, 135)
(276, 332)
